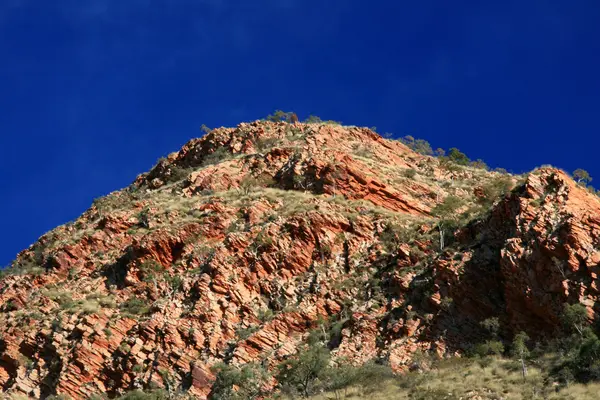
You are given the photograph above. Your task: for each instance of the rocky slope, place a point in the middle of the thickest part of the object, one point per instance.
(235, 247)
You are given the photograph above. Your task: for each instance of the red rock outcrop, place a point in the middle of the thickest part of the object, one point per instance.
(236, 246)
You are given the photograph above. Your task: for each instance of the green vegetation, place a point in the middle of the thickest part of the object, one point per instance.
(135, 306)
(468, 378)
(565, 367)
(417, 145)
(151, 270)
(154, 395)
(21, 269)
(264, 144)
(447, 212)
(582, 176)
(205, 129)
(313, 119)
(495, 189)
(311, 371)
(238, 383)
(279, 116)
(250, 183)
(218, 155)
(458, 157)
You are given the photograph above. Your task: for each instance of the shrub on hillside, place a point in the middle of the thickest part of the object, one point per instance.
(135, 306)
(285, 116)
(220, 154)
(495, 189)
(417, 145)
(458, 157)
(313, 119)
(447, 212)
(582, 176)
(238, 383)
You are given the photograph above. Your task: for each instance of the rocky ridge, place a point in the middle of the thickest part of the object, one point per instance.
(235, 247)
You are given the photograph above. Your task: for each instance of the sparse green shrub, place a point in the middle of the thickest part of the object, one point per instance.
(205, 129)
(394, 235)
(250, 183)
(536, 202)
(18, 269)
(150, 269)
(301, 374)
(218, 155)
(26, 362)
(489, 347)
(245, 333)
(124, 347)
(575, 318)
(458, 157)
(264, 144)
(313, 119)
(266, 315)
(261, 242)
(279, 116)
(175, 282)
(409, 173)
(492, 326)
(238, 383)
(448, 216)
(363, 151)
(10, 306)
(479, 164)
(417, 145)
(176, 174)
(140, 395)
(496, 188)
(143, 218)
(137, 368)
(135, 306)
(582, 176)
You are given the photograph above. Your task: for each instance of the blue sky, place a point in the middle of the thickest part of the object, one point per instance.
(95, 91)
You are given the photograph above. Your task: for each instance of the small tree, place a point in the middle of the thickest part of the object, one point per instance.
(582, 176)
(575, 318)
(458, 157)
(520, 350)
(205, 129)
(286, 116)
(493, 345)
(340, 378)
(301, 373)
(492, 326)
(447, 214)
(238, 383)
(479, 163)
(248, 183)
(418, 145)
(313, 119)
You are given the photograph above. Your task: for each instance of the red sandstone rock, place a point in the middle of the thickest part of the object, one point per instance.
(305, 242)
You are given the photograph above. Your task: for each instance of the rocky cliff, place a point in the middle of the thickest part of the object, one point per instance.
(235, 247)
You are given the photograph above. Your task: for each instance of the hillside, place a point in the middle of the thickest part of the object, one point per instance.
(236, 249)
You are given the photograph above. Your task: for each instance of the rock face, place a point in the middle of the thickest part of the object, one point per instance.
(233, 249)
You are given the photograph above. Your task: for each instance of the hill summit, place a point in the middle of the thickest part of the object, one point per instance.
(251, 243)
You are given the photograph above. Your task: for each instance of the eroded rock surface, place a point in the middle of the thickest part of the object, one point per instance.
(233, 248)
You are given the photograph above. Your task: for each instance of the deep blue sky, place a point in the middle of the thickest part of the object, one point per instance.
(94, 91)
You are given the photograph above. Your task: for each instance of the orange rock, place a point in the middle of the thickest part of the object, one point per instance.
(243, 273)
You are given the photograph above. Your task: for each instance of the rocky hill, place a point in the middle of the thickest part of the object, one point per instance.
(234, 249)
